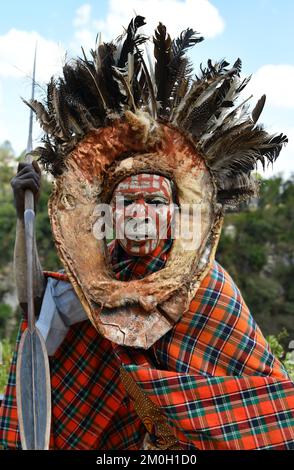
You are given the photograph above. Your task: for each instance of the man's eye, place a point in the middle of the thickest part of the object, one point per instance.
(128, 202)
(157, 202)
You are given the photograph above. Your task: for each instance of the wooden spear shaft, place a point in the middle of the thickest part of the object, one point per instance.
(32, 369)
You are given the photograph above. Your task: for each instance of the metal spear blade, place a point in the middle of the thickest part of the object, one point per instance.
(33, 392)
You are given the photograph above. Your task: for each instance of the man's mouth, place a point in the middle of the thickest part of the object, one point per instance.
(138, 239)
(141, 233)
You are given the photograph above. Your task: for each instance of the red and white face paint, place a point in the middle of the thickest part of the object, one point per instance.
(142, 209)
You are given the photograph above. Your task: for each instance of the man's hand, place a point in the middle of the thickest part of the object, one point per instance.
(28, 177)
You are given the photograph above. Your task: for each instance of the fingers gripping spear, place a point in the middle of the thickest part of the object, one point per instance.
(32, 369)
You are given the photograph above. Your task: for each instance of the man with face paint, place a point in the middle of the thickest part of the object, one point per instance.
(210, 381)
(94, 404)
(143, 209)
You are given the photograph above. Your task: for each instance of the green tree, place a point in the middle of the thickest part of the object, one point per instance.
(48, 256)
(260, 255)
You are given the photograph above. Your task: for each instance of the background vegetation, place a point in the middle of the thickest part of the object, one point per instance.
(257, 249)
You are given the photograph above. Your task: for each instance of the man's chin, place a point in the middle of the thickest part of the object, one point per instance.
(136, 247)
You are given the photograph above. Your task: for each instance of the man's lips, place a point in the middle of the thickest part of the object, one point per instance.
(138, 241)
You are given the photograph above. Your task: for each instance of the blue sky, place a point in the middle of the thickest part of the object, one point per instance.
(258, 31)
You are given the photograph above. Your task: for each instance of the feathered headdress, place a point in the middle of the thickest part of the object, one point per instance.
(112, 116)
(95, 92)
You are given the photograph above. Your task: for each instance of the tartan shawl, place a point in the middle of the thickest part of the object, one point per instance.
(213, 376)
(128, 267)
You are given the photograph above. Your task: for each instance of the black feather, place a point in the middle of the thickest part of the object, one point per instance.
(176, 66)
(212, 71)
(162, 54)
(272, 146)
(196, 121)
(237, 65)
(49, 102)
(81, 86)
(258, 109)
(149, 84)
(182, 83)
(49, 158)
(243, 84)
(106, 82)
(187, 39)
(132, 40)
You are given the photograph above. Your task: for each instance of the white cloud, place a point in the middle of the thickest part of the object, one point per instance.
(17, 50)
(276, 81)
(16, 63)
(3, 130)
(84, 37)
(83, 15)
(177, 15)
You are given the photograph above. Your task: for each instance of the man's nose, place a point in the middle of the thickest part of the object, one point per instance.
(138, 209)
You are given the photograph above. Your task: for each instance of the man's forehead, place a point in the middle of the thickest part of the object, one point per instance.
(144, 182)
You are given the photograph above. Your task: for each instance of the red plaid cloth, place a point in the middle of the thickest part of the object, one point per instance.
(212, 375)
(128, 267)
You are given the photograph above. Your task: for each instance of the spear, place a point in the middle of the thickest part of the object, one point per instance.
(33, 393)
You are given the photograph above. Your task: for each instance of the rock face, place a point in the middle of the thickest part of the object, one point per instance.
(138, 312)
